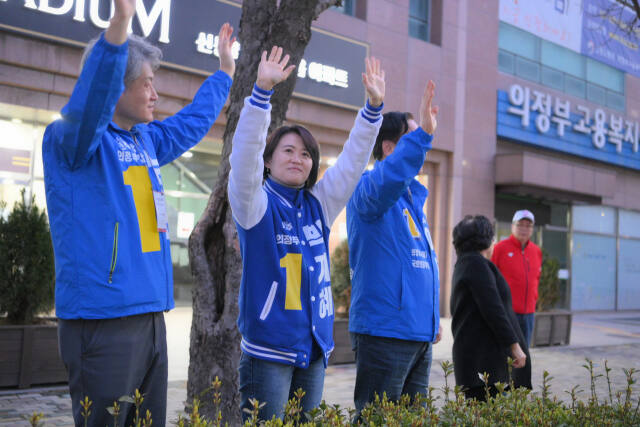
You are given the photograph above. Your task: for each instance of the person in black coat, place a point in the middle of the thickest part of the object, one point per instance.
(485, 328)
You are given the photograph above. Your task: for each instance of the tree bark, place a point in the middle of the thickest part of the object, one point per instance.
(214, 252)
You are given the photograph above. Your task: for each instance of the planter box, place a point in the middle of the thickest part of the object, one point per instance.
(551, 328)
(342, 352)
(30, 356)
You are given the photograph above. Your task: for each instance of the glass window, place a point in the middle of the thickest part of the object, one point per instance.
(616, 100)
(517, 41)
(596, 94)
(552, 78)
(506, 62)
(560, 58)
(348, 7)
(559, 215)
(574, 86)
(170, 177)
(605, 76)
(419, 19)
(594, 219)
(593, 272)
(629, 224)
(528, 69)
(629, 273)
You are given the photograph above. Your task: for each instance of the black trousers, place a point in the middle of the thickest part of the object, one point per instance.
(109, 358)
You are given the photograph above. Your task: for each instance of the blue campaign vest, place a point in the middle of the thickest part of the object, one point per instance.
(285, 297)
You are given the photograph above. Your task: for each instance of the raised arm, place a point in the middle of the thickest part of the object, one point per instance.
(337, 184)
(246, 197)
(178, 133)
(95, 95)
(380, 189)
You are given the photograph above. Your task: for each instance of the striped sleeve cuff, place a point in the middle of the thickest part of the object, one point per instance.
(260, 97)
(371, 114)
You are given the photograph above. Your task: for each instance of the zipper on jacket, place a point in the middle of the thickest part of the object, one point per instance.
(114, 252)
(526, 278)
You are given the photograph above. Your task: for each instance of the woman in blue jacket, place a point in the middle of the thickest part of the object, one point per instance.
(283, 217)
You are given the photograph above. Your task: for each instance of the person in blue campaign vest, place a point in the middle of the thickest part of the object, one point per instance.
(394, 315)
(283, 217)
(108, 218)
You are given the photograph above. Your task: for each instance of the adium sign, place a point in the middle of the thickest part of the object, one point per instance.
(92, 10)
(535, 117)
(187, 37)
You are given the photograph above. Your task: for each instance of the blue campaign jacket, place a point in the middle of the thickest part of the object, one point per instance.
(395, 284)
(110, 259)
(285, 301)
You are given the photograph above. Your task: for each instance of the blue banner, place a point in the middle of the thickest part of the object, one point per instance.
(605, 36)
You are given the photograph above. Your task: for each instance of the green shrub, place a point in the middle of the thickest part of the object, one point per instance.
(26, 263)
(549, 285)
(341, 279)
(519, 407)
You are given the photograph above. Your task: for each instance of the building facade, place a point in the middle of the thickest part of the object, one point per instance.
(490, 68)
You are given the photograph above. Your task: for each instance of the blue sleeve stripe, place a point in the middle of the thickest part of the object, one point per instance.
(375, 109)
(261, 91)
(260, 97)
(370, 113)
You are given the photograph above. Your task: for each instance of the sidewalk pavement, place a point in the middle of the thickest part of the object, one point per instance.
(614, 337)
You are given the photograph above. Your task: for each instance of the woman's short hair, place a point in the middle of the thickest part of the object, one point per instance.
(310, 144)
(140, 51)
(394, 125)
(472, 234)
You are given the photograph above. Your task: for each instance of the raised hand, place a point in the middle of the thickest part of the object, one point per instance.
(124, 9)
(373, 80)
(225, 41)
(428, 113)
(123, 12)
(273, 69)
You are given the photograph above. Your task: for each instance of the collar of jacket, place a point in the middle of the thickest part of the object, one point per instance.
(515, 242)
(292, 195)
(419, 192)
(134, 130)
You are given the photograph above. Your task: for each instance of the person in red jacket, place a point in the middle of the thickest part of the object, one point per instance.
(520, 262)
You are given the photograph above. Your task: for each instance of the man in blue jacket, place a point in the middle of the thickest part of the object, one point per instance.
(394, 315)
(108, 218)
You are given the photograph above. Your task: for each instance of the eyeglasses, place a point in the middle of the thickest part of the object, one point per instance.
(527, 226)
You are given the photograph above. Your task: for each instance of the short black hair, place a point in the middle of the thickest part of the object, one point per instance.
(310, 144)
(472, 234)
(394, 125)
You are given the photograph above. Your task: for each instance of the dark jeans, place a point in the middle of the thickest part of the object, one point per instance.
(109, 358)
(389, 365)
(526, 324)
(275, 383)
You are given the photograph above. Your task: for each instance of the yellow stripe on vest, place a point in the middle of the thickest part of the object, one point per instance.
(138, 178)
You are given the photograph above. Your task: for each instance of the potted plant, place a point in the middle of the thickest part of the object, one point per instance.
(551, 326)
(29, 343)
(341, 287)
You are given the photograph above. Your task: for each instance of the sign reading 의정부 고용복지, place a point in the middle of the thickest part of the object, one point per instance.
(537, 118)
(186, 32)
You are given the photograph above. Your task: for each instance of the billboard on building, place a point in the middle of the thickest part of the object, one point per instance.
(606, 37)
(557, 21)
(594, 28)
(329, 71)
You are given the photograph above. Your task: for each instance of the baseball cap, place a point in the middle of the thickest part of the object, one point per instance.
(523, 214)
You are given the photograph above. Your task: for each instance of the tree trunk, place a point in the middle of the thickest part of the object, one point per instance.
(214, 252)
